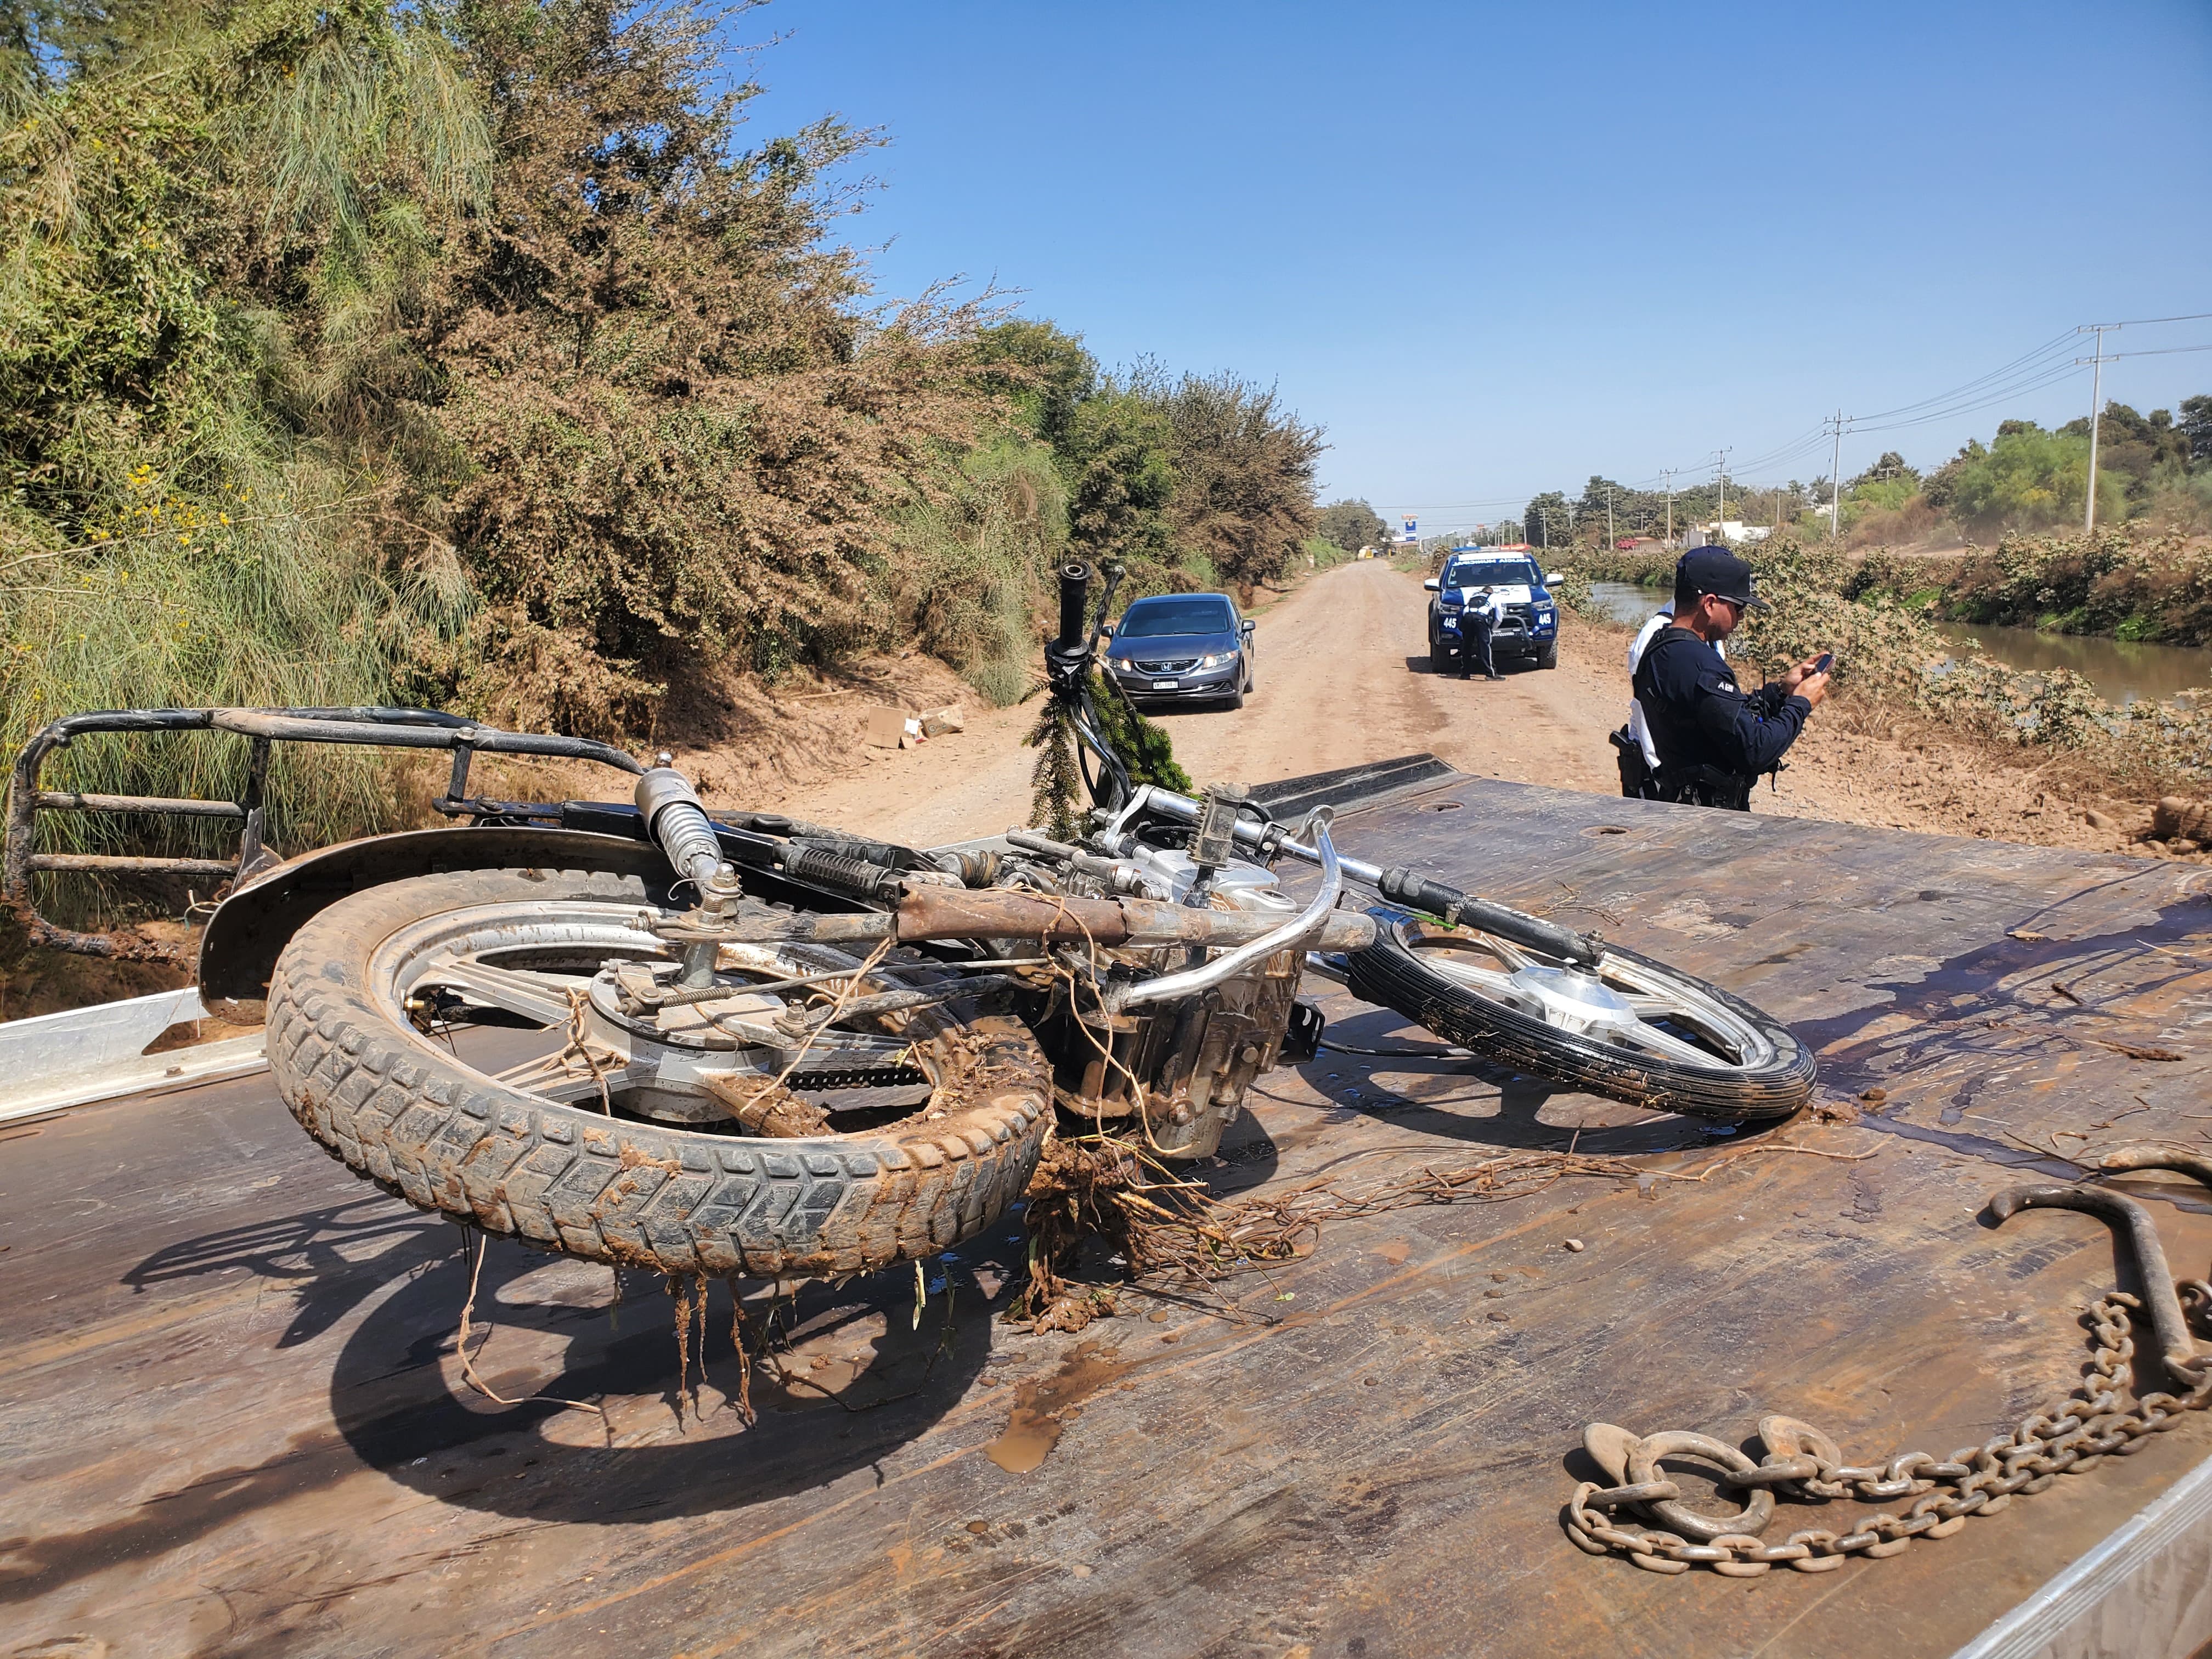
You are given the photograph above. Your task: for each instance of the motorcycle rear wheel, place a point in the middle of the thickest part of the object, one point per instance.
(539, 1151)
(1634, 1031)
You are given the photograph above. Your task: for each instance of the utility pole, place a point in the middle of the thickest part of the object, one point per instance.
(2096, 414)
(1609, 536)
(1668, 474)
(1720, 476)
(1835, 482)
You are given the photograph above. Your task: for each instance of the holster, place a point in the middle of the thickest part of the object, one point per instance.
(1705, 786)
(1638, 781)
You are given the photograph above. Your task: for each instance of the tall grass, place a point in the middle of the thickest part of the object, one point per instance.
(241, 595)
(970, 574)
(195, 456)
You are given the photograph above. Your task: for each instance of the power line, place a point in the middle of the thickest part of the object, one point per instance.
(2160, 351)
(2031, 371)
(2019, 364)
(2004, 394)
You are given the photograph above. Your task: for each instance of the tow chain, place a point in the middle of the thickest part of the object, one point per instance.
(2074, 1433)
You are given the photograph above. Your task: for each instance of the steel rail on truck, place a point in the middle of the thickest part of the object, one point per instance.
(370, 727)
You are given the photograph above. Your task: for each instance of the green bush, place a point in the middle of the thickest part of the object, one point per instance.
(2153, 584)
(199, 499)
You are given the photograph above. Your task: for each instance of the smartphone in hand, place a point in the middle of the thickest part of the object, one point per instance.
(1825, 661)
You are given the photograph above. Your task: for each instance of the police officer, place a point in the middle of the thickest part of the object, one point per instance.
(1713, 740)
(1477, 622)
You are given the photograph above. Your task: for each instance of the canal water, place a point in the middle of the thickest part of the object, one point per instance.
(2120, 669)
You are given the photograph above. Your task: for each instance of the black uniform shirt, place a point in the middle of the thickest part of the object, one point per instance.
(1699, 718)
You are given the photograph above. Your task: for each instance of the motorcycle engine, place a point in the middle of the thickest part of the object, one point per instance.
(1174, 1073)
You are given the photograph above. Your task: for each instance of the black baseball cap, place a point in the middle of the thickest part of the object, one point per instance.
(1717, 571)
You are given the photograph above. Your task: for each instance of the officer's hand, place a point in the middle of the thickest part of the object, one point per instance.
(1797, 676)
(1812, 688)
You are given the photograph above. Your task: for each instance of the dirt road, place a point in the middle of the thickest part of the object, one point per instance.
(1342, 678)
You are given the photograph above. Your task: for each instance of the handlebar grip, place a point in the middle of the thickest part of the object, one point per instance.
(1408, 887)
(1074, 601)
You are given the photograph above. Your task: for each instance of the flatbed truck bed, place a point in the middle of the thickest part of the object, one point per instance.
(234, 1421)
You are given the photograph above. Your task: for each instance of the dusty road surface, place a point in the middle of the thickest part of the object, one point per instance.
(1343, 676)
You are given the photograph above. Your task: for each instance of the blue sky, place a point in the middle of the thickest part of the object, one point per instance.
(1493, 248)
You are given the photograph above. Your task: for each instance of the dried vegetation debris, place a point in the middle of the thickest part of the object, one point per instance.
(1171, 1235)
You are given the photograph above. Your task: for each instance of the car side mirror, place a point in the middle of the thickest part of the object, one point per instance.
(1106, 628)
(1553, 579)
(1432, 584)
(1245, 626)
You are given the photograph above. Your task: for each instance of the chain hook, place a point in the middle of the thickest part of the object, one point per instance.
(2160, 1300)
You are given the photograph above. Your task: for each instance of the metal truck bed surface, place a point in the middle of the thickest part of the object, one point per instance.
(234, 1422)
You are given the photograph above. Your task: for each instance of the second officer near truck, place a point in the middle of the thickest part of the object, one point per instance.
(1713, 740)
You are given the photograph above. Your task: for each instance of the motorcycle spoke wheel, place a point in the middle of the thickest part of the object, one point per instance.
(624, 1125)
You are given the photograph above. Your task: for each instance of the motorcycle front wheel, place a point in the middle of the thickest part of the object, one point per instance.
(1633, 1030)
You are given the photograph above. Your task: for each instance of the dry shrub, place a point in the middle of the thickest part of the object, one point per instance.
(1915, 521)
(1244, 473)
(684, 441)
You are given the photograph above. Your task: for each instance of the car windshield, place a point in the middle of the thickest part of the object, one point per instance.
(1491, 572)
(1202, 613)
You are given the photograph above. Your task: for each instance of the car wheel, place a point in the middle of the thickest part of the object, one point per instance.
(1548, 656)
(1236, 699)
(1440, 657)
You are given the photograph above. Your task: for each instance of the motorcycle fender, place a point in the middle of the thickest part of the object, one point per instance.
(250, 927)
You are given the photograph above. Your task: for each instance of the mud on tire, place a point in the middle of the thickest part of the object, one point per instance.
(448, 1139)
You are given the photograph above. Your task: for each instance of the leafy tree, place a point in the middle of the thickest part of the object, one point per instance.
(1550, 521)
(2027, 477)
(1244, 471)
(2196, 425)
(1352, 524)
(1116, 453)
(1590, 511)
(1047, 372)
(1892, 468)
(1940, 487)
(2134, 444)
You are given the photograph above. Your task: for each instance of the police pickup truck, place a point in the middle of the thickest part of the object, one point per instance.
(1530, 624)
